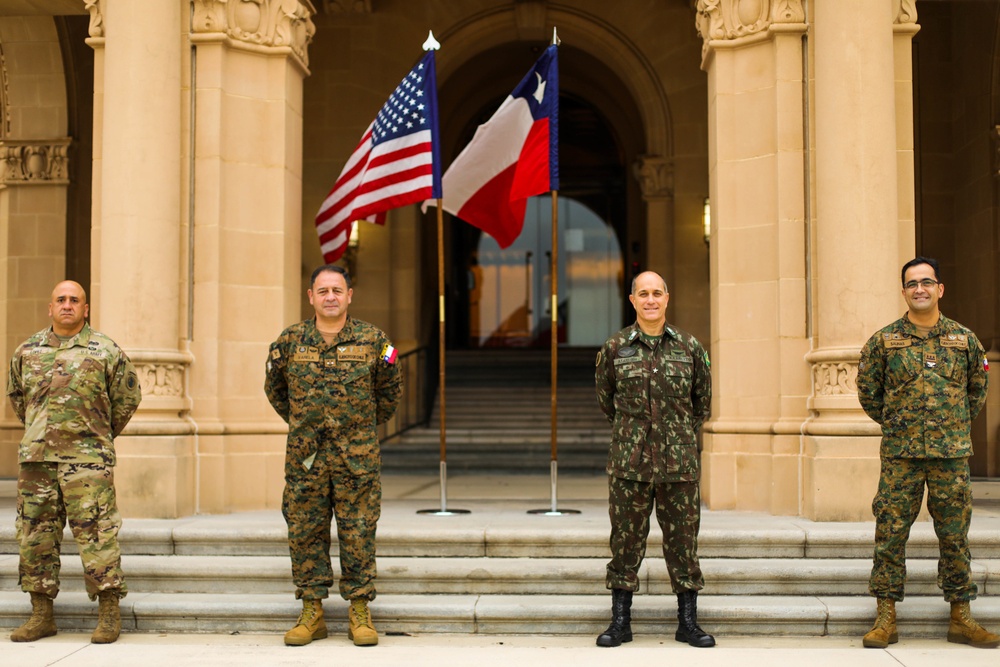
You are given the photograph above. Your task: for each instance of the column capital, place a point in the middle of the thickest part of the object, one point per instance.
(904, 11)
(256, 23)
(96, 9)
(34, 162)
(731, 19)
(655, 175)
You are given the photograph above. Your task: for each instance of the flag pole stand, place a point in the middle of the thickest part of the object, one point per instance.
(443, 511)
(554, 345)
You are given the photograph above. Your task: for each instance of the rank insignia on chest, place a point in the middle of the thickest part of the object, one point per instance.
(957, 341)
(276, 353)
(352, 353)
(305, 353)
(930, 359)
(895, 340)
(330, 363)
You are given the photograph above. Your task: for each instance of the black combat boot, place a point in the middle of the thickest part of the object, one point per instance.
(688, 631)
(620, 630)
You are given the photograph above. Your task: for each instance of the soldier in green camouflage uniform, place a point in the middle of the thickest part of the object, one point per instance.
(923, 379)
(332, 378)
(655, 386)
(74, 390)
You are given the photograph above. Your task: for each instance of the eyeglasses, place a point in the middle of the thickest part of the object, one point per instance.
(926, 283)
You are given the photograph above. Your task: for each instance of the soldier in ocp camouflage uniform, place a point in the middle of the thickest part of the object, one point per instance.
(332, 378)
(74, 390)
(923, 379)
(655, 386)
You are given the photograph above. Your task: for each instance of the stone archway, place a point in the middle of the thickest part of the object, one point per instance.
(33, 188)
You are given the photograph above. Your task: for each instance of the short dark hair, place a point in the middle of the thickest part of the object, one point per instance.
(332, 268)
(929, 261)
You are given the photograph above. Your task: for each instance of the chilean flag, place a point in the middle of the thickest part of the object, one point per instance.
(514, 155)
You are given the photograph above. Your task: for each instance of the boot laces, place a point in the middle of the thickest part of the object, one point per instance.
(309, 612)
(360, 611)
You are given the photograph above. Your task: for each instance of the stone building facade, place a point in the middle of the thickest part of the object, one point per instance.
(170, 155)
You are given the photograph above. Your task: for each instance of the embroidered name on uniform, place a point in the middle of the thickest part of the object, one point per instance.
(352, 353)
(627, 360)
(892, 340)
(959, 341)
(304, 353)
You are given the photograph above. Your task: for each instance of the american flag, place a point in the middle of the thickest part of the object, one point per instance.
(397, 162)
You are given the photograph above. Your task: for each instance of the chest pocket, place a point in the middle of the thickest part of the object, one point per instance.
(87, 371)
(951, 363)
(678, 375)
(902, 365)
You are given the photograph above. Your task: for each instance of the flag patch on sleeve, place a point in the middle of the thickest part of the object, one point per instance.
(986, 364)
(388, 354)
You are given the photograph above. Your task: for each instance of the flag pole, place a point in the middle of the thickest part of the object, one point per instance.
(554, 349)
(432, 43)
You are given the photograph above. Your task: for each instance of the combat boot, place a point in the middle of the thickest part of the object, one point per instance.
(109, 619)
(883, 632)
(40, 624)
(964, 629)
(311, 625)
(360, 627)
(688, 630)
(620, 630)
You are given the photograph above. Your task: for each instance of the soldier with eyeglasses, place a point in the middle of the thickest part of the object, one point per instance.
(923, 379)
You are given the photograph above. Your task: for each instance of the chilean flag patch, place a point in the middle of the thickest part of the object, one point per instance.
(986, 364)
(389, 354)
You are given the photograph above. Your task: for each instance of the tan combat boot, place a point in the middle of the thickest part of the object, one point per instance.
(883, 632)
(109, 619)
(963, 629)
(40, 624)
(311, 625)
(360, 627)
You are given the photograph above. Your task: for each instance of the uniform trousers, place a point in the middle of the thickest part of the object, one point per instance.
(311, 500)
(896, 505)
(678, 511)
(84, 493)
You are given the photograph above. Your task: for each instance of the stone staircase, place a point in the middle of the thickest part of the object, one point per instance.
(498, 413)
(502, 571)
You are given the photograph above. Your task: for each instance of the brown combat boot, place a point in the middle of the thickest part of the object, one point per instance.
(360, 627)
(963, 629)
(109, 619)
(883, 632)
(311, 625)
(40, 624)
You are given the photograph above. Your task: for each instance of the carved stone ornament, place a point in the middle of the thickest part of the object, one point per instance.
(164, 379)
(260, 22)
(836, 378)
(655, 175)
(731, 19)
(347, 6)
(96, 9)
(35, 163)
(905, 11)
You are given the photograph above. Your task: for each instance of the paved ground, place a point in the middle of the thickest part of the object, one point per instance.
(74, 650)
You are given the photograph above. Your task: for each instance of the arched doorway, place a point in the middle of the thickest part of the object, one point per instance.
(508, 289)
(501, 297)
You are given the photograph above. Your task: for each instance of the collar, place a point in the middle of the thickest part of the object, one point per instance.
(82, 337)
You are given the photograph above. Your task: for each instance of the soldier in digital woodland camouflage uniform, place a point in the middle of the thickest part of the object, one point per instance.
(655, 386)
(74, 390)
(332, 378)
(923, 378)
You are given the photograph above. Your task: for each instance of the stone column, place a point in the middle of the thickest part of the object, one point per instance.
(863, 227)
(136, 256)
(753, 56)
(249, 66)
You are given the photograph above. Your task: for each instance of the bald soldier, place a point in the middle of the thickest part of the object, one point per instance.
(74, 390)
(655, 386)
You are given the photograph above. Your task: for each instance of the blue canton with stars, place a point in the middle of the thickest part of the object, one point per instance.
(411, 108)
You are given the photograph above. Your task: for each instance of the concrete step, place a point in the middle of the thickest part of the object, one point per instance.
(806, 616)
(511, 576)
